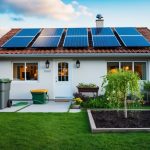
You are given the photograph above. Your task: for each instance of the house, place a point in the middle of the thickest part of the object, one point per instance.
(59, 59)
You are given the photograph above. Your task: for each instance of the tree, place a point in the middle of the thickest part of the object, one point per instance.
(119, 84)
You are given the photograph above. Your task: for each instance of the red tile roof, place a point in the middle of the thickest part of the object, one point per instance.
(60, 50)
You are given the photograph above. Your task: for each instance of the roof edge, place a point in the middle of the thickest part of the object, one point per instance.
(68, 55)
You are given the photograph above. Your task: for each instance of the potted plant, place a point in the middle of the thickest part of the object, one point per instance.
(82, 87)
(77, 103)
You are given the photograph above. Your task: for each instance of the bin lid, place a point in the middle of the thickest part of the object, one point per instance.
(39, 91)
(5, 80)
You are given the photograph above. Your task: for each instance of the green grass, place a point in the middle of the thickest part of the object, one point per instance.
(62, 131)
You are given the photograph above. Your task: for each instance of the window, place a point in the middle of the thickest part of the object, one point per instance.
(126, 66)
(25, 71)
(63, 71)
(139, 67)
(112, 66)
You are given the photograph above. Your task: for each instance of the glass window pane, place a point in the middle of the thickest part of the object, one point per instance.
(140, 68)
(62, 71)
(19, 71)
(127, 66)
(31, 71)
(112, 67)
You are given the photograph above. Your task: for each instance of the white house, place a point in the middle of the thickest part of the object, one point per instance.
(60, 59)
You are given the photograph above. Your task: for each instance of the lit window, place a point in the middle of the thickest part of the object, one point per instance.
(140, 68)
(28, 71)
(19, 71)
(112, 67)
(63, 71)
(127, 66)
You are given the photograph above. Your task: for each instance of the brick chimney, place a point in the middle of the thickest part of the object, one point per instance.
(99, 21)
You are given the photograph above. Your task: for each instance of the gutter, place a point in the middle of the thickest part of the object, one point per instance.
(74, 55)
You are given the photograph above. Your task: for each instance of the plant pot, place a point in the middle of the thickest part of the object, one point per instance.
(75, 106)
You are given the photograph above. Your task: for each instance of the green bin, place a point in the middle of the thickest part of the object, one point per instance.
(4, 92)
(39, 96)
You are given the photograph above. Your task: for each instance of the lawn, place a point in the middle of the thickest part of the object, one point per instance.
(62, 131)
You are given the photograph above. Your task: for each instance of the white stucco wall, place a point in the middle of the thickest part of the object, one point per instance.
(90, 71)
(21, 89)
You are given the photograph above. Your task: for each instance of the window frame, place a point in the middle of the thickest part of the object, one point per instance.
(133, 62)
(25, 63)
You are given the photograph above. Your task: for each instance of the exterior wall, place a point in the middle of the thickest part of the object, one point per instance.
(90, 71)
(21, 89)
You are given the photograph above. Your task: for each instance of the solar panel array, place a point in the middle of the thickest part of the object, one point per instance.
(131, 37)
(76, 38)
(22, 39)
(104, 37)
(49, 38)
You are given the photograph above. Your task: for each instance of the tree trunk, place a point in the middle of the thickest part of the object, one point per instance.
(125, 107)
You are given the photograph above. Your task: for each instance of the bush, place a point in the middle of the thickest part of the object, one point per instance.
(147, 86)
(97, 102)
(83, 97)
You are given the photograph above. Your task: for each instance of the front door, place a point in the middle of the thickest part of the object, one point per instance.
(62, 81)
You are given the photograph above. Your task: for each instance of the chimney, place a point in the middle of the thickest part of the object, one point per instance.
(99, 21)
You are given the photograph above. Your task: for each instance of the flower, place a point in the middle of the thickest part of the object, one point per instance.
(78, 100)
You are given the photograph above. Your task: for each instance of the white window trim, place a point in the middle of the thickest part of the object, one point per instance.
(133, 66)
(25, 62)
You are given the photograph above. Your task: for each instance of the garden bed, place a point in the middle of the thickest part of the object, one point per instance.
(113, 120)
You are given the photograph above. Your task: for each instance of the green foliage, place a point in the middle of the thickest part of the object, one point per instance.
(135, 104)
(118, 85)
(90, 85)
(97, 102)
(147, 85)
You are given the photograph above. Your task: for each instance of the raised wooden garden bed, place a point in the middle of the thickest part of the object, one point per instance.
(114, 121)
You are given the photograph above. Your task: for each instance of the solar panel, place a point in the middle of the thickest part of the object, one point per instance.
(52, 32)
(18, 42)
(127, 31)
(28, 32)
(102, 31)
(105, 41)
(134, 41)
(77, 32)
(76, 41)
(46, 42)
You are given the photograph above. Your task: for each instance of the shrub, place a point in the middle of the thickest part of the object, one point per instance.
(147, 85)
(79, 95)
(97, 102)
(78, 101)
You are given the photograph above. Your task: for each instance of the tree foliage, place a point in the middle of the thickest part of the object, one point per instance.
(118, 85)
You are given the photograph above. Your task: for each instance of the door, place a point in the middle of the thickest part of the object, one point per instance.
(63, 88)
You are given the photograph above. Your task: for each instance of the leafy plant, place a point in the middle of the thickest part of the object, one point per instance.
(135, 103)
(78, 101)
(147, 85)
(79, 95)
(118, 85)
(97, 102)
(83, 85)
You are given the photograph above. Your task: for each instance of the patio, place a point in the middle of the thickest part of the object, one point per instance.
(51, 106)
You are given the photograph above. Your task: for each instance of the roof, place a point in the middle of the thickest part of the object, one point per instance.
(63, 51)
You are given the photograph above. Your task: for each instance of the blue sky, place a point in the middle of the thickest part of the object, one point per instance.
(73, 13)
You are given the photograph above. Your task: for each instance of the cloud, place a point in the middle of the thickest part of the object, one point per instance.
(56, 9)
(17, 18)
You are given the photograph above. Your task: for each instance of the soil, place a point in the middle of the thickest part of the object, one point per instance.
(116, 119)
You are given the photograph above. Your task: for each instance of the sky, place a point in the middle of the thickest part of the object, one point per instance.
(73, 13)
